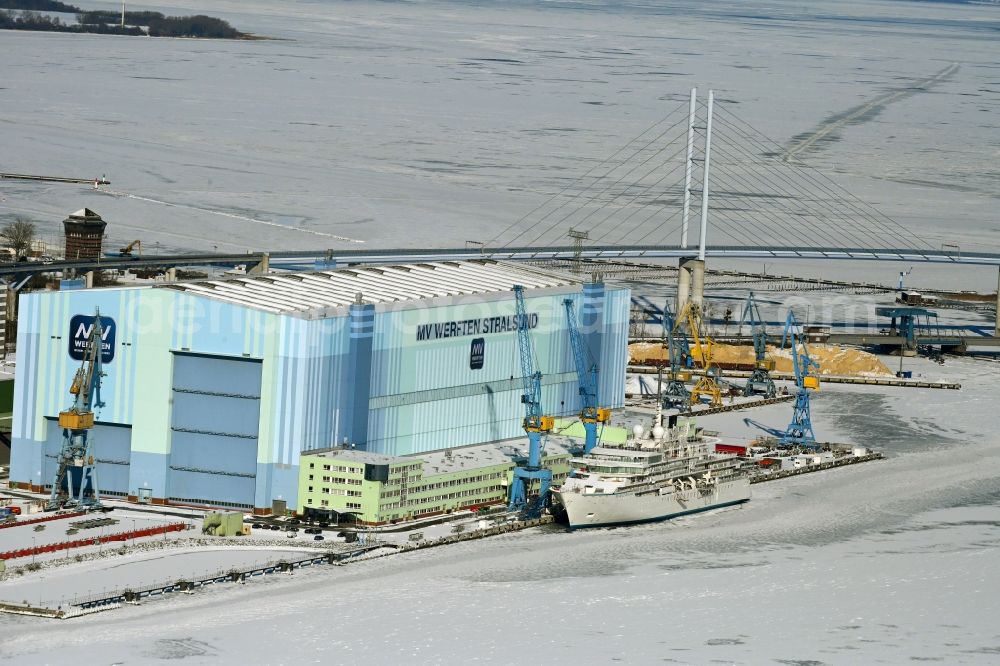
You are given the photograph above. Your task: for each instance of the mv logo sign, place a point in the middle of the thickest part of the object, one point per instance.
(80, 329)
(478, 354)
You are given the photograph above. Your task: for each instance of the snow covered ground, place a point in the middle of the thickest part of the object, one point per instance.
(886, 562)
(64, 585)
(13, 538)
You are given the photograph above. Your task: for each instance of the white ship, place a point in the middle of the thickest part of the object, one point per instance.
(655, 475)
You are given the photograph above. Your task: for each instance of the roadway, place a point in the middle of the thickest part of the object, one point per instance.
(868, 339)
(25, 268)
(644, 251)
(922, 340)
(341, 257)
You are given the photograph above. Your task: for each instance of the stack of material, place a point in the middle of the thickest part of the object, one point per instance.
(646, 352)
(832, 359)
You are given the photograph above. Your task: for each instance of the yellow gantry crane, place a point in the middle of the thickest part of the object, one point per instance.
(75, 483)
(701, 351)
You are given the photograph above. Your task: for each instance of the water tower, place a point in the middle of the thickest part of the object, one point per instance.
(84, 233)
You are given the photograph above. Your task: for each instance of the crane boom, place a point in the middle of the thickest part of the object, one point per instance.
(800, 430)
(706, 384)
(536, 423)
(586, 372)
(77, 451)
(531, 377)
(759, 382)
(676, 393)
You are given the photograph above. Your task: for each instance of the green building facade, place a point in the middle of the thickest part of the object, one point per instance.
(378, 489)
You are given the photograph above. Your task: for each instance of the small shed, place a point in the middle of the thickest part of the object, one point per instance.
(223, 523)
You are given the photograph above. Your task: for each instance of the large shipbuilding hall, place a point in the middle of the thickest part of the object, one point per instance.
(214, 388)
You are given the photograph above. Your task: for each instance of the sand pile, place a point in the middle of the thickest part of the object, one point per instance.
(641, 352)
(832, 359)
(835, 360)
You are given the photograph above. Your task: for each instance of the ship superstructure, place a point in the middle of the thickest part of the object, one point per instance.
(657, 473)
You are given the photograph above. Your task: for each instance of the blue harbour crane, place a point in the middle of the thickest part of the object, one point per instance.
(800, 431)
(676, 394)
(759, 382)
(536, 424)
(76, 467)
(591, 414)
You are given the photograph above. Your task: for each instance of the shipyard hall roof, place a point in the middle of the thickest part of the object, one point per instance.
(317, 293)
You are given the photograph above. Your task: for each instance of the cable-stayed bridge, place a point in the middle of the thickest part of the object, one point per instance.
(698, 182)
(703, 181)
(307, 259)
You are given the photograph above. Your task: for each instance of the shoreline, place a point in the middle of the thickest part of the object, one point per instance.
(248, 37)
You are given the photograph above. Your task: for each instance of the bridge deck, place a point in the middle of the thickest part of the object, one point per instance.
(308, 258)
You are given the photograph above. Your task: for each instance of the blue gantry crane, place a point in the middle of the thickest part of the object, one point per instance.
(591, 413)
(76, 467)
(759, 382)
(536, 423)
(676, 394)
(800, 431)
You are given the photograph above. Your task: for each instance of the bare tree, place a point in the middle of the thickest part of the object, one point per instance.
(20, 234)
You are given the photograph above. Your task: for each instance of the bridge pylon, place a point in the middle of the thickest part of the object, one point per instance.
(691, 270)
(690, 282)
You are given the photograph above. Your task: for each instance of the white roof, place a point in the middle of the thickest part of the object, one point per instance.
(466, 457)
(555, 445)
(355, 455)
(317, 293)
(85, 213)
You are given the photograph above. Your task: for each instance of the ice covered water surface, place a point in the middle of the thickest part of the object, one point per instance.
(433, 123)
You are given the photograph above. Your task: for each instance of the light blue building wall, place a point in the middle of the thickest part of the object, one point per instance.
(425, 395)
(211, 402)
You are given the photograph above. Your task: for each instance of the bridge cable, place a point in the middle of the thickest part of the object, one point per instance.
(724, 141)
(586, 175)
(644, 191)
(801, 212)
(596, 196)
(808, 174)
(732, 227)
(783, 227)
(827, 183)
(858, 232)
(659, 227)
(630, 230)
(734, 185)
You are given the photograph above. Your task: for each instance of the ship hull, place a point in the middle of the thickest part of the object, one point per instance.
(597, 510)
